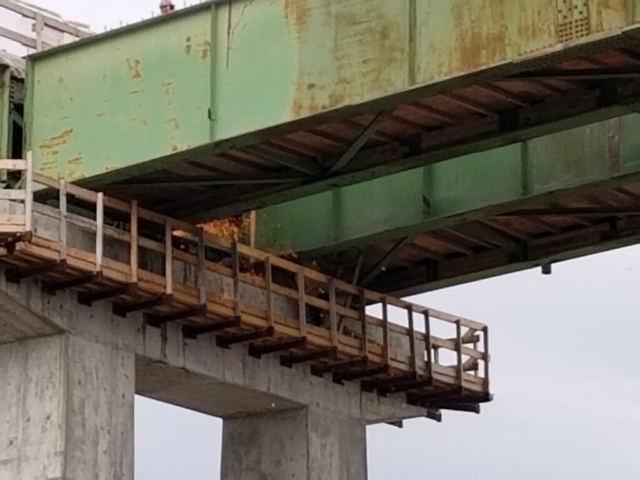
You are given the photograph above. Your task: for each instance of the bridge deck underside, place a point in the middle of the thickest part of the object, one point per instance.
(550, 232)
(600, 80)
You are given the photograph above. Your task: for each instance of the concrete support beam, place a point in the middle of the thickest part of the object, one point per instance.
(66, 410)
(301, 444)
(196, 374)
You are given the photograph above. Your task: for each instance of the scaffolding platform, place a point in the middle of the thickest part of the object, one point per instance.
(171, 271)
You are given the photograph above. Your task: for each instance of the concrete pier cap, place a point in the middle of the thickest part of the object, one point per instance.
(88, 364)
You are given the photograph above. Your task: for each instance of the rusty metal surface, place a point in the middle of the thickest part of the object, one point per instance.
(226, 108)
(107, 105)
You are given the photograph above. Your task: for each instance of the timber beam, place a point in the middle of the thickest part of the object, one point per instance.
(227, 341)
(91, 297)
(192, 332)
(159, 319)
(52, 287)
(296, 359)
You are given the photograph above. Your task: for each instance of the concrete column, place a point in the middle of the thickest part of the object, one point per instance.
(300, 444)
(66, 410)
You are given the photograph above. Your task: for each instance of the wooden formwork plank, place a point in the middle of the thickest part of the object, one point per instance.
(11, 164)
(13, 195)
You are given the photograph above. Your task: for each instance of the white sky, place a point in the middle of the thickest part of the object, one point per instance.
(564, 374)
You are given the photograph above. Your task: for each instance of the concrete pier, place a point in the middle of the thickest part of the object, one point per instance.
(69, 380)
(66, 410)
(300, 444)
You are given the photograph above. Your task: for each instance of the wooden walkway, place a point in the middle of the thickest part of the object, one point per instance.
(106, 249)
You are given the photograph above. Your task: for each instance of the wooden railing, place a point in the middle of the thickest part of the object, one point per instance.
(166, 267)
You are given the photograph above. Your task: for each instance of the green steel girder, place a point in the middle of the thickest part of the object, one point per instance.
(458, 191)
(220, 75)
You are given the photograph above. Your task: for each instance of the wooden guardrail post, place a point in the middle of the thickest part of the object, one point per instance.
(168, 259)
(333, 314)
(133, 253)
(363, 322)
(459, 354)
(28, 204)
(428, 344)
(302, 302)
(269, 293)
(485, 332)
(201, 276)
(99, 232)
(412, 339)
(235, 260)
(64, 244)
(385, 331)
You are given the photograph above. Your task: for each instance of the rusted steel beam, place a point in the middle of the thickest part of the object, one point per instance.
(295, 359)
(192, 332)
(435, 415)
(16, 275)
(385, 383)
(89, 298)
(257, 350)
(234, 339)
(408, 386)
(52, 287)
(342, 376)
(123, 309)
(424, 398)
(319, 370)
(457, 407)
(159, 319)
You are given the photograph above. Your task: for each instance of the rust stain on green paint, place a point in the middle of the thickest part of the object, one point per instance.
(205, 49)
(76, 161)
(49, 166)
(56, 141)
(297, 12)
(365, 46)
(133, 65)
(100, 115)
(168, 88)
(174, 123)
(187, 45)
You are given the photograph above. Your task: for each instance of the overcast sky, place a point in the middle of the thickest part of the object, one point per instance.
(564, 372)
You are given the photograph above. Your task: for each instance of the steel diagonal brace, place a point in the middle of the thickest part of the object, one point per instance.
(360, 142)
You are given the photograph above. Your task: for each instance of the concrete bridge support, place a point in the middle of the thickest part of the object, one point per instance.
(300, 444)
(66, 410)
(68, 375)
